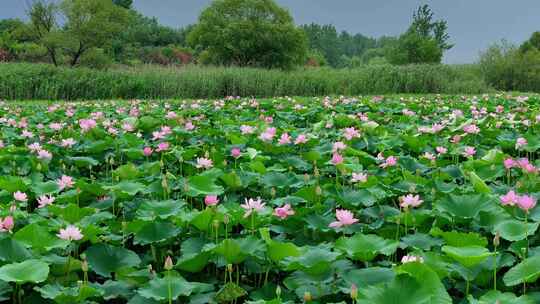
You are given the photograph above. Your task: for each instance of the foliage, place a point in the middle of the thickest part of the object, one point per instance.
(89, 24)
(333, 45)
(112, 201)
(249, 33)
(506, 67)
(25, 81)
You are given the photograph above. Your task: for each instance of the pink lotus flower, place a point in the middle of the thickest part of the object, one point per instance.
(284, 212)
(211, 200)
(410, 200)
(300, 139)
(7, 224)
(338, 146)
(44, 155)
(20, 196)
(471, 129)
(521, 142)
(171, 115)
(163, 146)
(45, 200)
(351, 133)
(411, 258)
(203, 162)
(509, 199)
(285, 139)
(65, 182)
(389, 162)
(509, 163)
(455, 139)
(27, 134)
(56, 126)
(147, 151)
(127, 127)
(251, 205)
(87, 124)
(359, 177)
(236, 152)
(68, 142)
(70, 233)
(189, 126)
(526, 202)
(429, 156)
(344, 218)
(34, 147)
(268, 134)
(441, 150)
(337, 159)
(469, 152)
(246, 129)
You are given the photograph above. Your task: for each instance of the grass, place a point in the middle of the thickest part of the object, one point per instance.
(41, 81)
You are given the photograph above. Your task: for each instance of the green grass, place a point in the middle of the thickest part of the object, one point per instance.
(20, 81)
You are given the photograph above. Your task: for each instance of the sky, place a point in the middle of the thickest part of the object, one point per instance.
(473, 24)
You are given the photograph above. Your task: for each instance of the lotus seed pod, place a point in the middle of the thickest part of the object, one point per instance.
(84, 265)
(226, 219)
(318, 190)
(307, 297)
(230, 268)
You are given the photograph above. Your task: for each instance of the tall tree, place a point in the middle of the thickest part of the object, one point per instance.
(124, 3)
(424, 25)
(249, 32)
(43, 23)
(90, 24)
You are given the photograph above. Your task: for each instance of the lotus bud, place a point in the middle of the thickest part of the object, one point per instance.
(186, 186)
(38, 166)
(224, 162)
(497, 239)
(278, 292)
(273, 192)
(318, 190)
(206, 154)
(215, 224)
(168, 263)
(13, 208)
(84, 265)
(164, 183)
(307, 297)
(316, 172)
(354, 292)
(229, 268)
(226, 219)
(306, 178)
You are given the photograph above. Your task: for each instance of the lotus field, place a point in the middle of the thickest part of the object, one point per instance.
(288, 200)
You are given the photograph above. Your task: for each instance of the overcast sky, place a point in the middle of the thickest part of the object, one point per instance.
(473, 24)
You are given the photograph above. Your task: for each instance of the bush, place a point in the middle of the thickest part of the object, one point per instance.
(42, 81)
(507, 68)
(97, 59)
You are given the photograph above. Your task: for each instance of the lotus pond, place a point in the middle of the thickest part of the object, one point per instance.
(288, 200)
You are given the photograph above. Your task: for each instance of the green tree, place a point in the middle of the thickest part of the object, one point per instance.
(43, 25)
(532, 44)
(248, 32)
(124, 3)
(413, 48)
(90, 24)
(424, 25)
(424, 42)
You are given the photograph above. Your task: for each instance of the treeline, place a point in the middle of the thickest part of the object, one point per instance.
(99, 33)
(241, 33)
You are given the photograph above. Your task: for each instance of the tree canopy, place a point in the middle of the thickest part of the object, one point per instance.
(248, 32)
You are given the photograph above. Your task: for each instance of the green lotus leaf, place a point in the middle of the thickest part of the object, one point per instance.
(29, 271)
